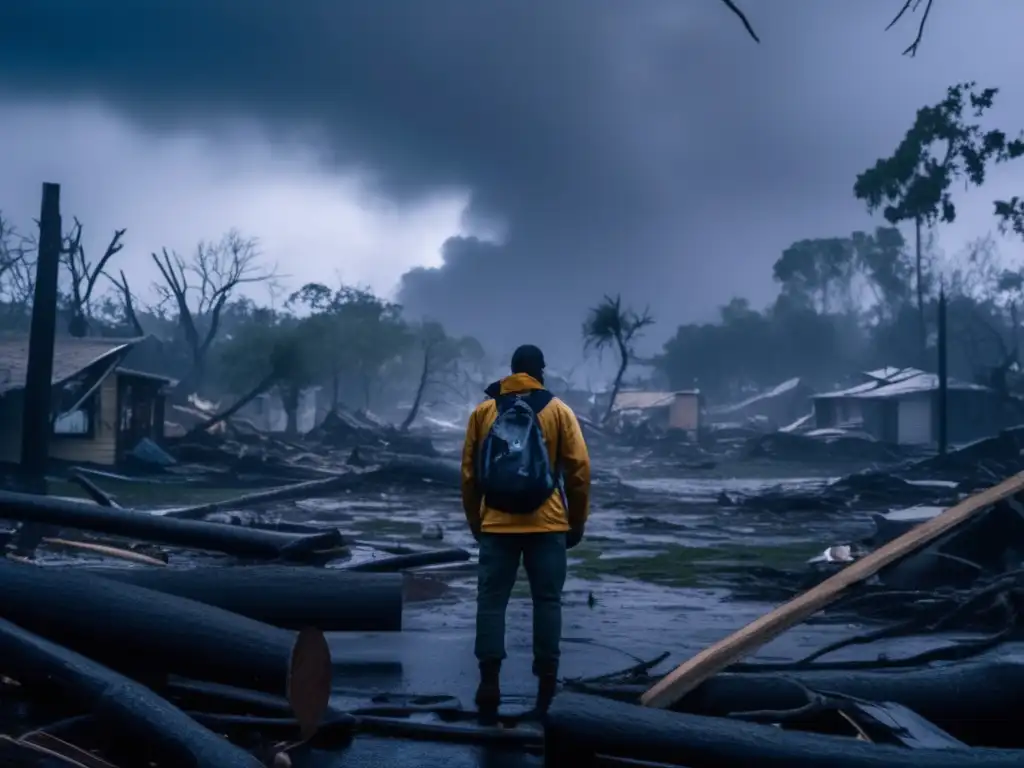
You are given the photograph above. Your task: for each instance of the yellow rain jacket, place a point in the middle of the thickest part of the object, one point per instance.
(568, 453)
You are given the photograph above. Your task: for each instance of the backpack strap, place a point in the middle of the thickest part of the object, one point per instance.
(538, 400)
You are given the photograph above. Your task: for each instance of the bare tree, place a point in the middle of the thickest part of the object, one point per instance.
(83, 275)
(17, 252)
(201, 286)
(127, 302)
(440, 362)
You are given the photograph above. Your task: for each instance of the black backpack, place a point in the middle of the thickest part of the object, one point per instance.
(513, 466)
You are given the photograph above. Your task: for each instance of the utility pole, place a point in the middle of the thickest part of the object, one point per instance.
(37, 396)
(943, 393)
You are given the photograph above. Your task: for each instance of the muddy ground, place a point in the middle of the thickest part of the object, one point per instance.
(664, 565)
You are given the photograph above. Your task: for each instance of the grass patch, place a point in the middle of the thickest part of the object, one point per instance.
(679, 566)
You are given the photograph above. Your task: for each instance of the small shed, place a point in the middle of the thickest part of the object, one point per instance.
(670, 410)
(101, 409)
(902, 406)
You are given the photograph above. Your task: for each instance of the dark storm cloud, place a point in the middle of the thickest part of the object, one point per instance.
(646, 148)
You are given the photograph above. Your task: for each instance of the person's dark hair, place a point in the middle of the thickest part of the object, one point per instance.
(529, 359)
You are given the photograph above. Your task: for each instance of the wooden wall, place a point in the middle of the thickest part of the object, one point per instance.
(684, 412)
(100, 449)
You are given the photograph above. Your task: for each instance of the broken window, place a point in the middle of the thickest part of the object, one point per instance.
(79, 422)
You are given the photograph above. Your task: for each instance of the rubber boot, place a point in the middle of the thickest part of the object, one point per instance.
(488, 693)
(547, 685)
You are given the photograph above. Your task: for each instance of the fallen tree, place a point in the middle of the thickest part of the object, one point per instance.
(148, 635)
(124, 706)
(413, 560)
(403, 470)
(977, 701)
(229, 539)
(329, 599)
(579, 727)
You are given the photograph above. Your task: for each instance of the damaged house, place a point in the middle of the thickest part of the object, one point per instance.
(664, 410)
(773, 408)
(901, 405)
(102, 409)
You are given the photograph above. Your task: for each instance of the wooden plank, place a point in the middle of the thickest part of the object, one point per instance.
(712, 660)
(106, 551)
(65, 750)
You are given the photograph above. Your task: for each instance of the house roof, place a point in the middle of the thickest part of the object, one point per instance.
(144, 375)
(776, 391)
(642, 401)
(898, 382)
(922, 382)
(70, 356)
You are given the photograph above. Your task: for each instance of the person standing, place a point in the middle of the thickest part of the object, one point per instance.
(526, 494)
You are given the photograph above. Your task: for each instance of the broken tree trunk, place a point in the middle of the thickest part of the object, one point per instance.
(149, 635)
(229, 539)
(397, 563)
(406, 469)
(420, 389)
(286, 493)
(124, 705)
(292, 598)
(579, 727)
(238, 405)
(712, 660)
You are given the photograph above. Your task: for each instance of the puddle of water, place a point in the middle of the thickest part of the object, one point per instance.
(695, 488)
(914, 513)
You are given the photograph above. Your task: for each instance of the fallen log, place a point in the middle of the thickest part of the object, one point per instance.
(148, 635)
(579, 727)
(329, 599)
(403, 562)
(92, 490)
(126, 705)
(745, 641)
(229, 539)
(442, 472)
(293, 492)
(942, 695)
(975, 701)
(226, 699)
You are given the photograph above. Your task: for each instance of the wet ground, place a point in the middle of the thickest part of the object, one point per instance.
(664, 567)
(661, 558)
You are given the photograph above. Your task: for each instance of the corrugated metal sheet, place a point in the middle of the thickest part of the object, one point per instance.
(642, 401)
(898, 382)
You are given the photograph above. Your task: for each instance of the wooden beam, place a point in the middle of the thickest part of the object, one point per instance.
(712, 660)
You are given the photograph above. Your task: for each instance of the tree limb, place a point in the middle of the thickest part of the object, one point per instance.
(743, 19)
(908, 5)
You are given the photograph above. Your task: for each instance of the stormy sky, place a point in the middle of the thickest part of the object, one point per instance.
(495, 164)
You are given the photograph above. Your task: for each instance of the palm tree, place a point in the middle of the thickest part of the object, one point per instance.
(609, 325)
